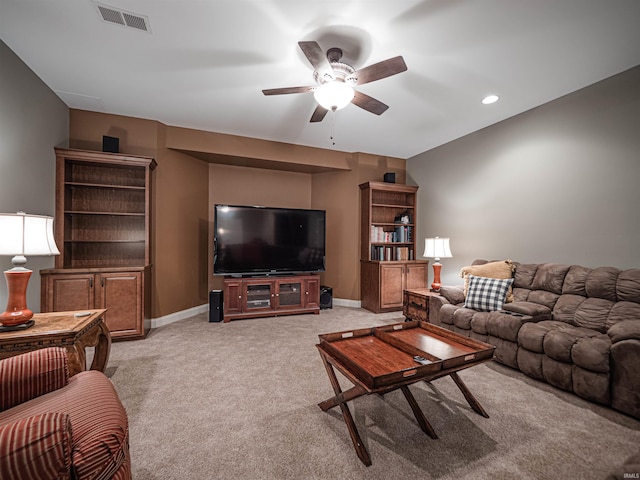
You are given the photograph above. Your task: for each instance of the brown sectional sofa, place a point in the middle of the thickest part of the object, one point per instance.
(574, 327)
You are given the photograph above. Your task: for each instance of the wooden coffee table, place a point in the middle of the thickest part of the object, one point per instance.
(380, 360)
(72, 330)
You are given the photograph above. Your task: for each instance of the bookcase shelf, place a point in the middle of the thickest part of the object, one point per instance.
(388, 253)
(102, 228)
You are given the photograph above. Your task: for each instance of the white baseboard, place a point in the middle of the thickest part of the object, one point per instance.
(190, 312)
(343, 302)
(181, 315)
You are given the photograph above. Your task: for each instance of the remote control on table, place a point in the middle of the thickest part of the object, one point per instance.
(421, 360)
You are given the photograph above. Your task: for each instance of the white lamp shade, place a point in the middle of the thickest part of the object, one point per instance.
(22, 234)
(334, 95)
(437, 248)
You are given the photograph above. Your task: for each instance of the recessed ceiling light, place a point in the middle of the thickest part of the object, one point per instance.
(489, 99)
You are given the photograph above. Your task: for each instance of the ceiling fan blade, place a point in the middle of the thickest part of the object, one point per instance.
(380, 70)
(318, 114)
(317, 59)
(368, 103)
(283, 91)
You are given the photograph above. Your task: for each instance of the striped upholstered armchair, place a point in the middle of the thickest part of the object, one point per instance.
(56, 426)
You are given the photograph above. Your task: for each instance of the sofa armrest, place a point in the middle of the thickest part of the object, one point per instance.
(32, 374)
(625, 330)
(36, 447)
(454, 294)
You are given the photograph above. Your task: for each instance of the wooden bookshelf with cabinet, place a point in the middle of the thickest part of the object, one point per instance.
(388, 253)
(102, 229)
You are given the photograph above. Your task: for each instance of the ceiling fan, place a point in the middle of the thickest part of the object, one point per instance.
(335, 81)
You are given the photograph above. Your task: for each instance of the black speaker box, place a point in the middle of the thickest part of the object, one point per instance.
(110, 144)
(326, 297)
(390, 177)
(216, 312)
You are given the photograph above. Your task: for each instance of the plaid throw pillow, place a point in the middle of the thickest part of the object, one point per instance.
(486, 294)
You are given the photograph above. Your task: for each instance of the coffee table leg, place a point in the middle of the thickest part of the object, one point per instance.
(473, 403)
(103, 348)
(417, 412)
(361, 450)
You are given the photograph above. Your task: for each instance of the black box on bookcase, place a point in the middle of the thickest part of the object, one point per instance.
(110, 144)
(390, 177)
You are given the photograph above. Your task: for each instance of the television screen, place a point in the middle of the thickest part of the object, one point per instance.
(265, 240)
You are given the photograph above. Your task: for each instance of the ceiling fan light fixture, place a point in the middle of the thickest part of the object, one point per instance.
(334, 95)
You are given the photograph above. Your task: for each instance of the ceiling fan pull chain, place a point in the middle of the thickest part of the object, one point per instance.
(333, 125)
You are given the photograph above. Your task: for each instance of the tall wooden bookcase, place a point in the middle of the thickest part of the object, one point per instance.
(388, 252)
(102, 229)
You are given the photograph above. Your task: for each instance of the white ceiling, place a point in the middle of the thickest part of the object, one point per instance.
(205, 63)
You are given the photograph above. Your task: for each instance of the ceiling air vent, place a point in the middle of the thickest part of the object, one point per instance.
(124, 18)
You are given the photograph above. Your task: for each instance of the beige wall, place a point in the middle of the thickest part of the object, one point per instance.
(257, 187)
(558, 183)
(33, 120)
(186, 186)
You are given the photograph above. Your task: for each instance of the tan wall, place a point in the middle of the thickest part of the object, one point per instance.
(186, 188)
(257, 187)
(339, 195)
(179, 215)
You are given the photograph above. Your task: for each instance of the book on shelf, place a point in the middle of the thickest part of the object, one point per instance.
(400, 234)
(388, 253)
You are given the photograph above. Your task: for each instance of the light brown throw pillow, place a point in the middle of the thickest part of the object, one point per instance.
(501, 269)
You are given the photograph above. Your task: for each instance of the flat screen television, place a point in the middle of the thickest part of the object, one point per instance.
(268, 241)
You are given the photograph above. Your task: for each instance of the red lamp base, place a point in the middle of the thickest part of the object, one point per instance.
(17, 312)
(435, 286)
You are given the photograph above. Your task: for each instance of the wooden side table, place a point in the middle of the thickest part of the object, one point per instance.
(415, 305)
(71, 330)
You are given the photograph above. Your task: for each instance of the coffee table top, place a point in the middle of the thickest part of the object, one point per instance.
(54, 324)
(383, 356)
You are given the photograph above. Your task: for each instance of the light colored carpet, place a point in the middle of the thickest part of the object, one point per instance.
(239, 401)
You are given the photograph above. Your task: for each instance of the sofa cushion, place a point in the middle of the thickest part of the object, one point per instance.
(37, 446)
(486, 294)
(500, 269)
(558, 343)
(543, 297)
(524, 274)
(529, 308)
(531, 335)
(628, 285)
(593, 314)
(575, 280)
(462, 318)
(622, 311)
(601, 283)
(592, 353)
(550, 277)
(505, 325)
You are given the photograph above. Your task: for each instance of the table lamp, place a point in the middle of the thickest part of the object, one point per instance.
(20, 235)
(436, 248)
